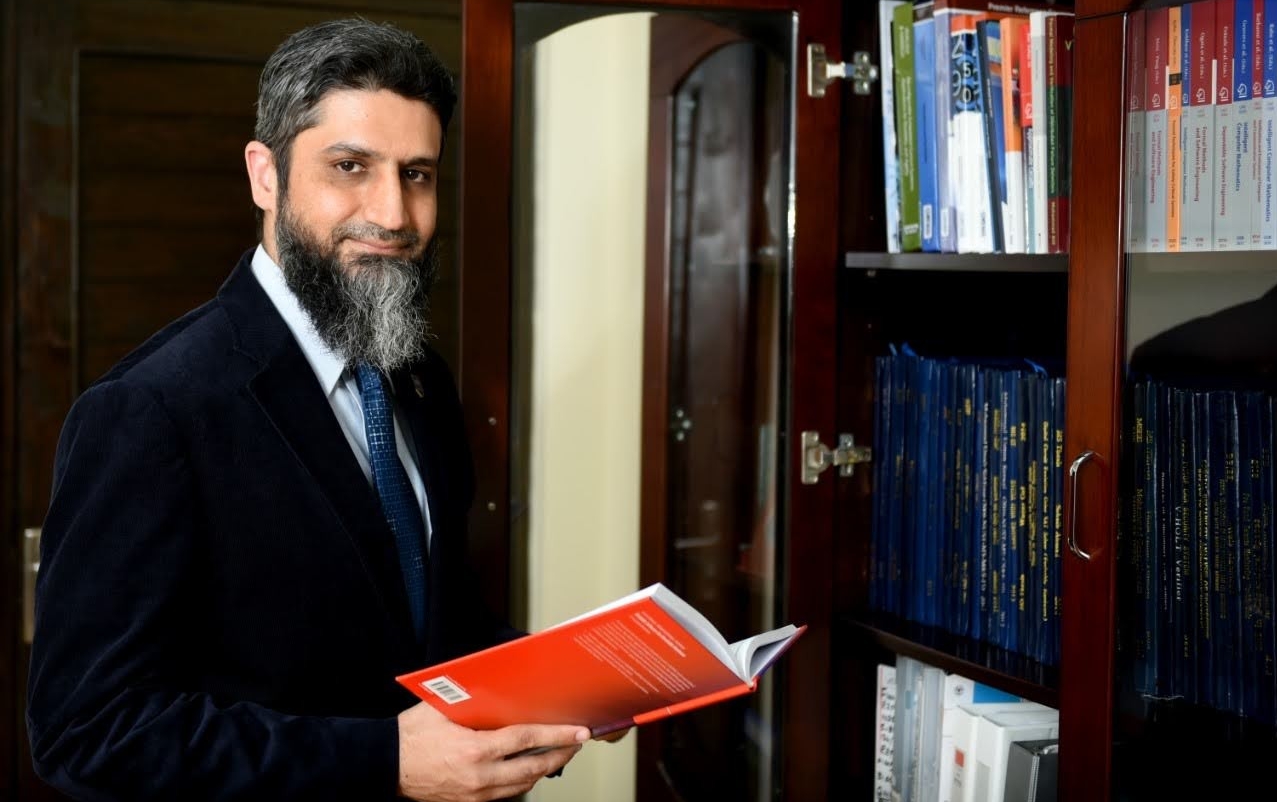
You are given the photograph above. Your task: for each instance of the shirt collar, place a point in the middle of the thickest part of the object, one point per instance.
(328, 366)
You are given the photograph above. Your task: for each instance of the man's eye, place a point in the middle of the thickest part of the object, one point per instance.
(348, 166)
(417, 176)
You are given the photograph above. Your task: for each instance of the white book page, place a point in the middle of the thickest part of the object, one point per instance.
(754, 654)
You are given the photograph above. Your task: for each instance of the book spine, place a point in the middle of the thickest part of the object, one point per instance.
(1134, 226)
(969, 160)
(1199, 137)
(1225, 121)
(906, 127)
(993, 75)
(1155, 128)
(946, 164)
(924, 64)
(1175, 35)
(1012, 135)
(1041, 127)
(682, 707)
(1232, 226)
(1265, 211)
(1254, 178)
(890, 153)
(1027, 137)
(1059, 46)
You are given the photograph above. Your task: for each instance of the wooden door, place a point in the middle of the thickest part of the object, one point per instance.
(126, 204)
(803, 562)
(1095, 334)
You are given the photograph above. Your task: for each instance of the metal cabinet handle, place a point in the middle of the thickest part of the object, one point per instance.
(30, 568)
(1073, 469)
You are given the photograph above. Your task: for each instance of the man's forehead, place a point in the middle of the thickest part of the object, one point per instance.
(374, 116)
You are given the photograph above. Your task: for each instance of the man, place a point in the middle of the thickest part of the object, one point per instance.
(257, 518)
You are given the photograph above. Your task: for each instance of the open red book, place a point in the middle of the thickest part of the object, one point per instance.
(640, 658)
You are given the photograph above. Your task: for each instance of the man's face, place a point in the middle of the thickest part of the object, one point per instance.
(353, 230)
(363, 182)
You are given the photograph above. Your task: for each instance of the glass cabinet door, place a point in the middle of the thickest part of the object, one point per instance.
(1195, 686)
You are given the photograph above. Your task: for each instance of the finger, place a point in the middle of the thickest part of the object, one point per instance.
(524, 737)
(530, 768)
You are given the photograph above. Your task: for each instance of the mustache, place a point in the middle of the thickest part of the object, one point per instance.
(403, 238)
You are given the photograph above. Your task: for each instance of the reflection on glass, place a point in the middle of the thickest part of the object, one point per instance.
(652, 165)
(1196, 642)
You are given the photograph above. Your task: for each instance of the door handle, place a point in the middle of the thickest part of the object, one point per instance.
(30, 568)
(1073, 469)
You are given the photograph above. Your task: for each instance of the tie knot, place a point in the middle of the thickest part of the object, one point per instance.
(369, 380)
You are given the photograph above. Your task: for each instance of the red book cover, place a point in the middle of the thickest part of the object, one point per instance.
(641, 658)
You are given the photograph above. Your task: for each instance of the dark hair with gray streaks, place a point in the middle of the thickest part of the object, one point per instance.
(343, 54)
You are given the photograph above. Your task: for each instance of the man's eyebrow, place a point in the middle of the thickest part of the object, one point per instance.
(359, 151)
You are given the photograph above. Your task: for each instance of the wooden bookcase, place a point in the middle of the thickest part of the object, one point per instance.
(1083, 309)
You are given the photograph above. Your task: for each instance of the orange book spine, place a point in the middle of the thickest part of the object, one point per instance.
(692, 704)
(1174, 104)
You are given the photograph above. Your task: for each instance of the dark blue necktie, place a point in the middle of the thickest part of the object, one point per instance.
(397, 499)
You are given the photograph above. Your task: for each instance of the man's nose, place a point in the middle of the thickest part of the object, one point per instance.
(384, 204)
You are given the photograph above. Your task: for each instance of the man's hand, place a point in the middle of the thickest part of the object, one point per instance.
(443, 762)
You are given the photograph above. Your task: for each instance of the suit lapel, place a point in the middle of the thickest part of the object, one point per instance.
(287, 392)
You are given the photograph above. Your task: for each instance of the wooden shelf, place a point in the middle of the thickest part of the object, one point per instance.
(1013, 673)
(962, 262)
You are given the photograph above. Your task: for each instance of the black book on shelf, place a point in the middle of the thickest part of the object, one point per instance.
(1032, 771)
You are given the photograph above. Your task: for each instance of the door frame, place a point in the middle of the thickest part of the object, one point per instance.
(9, 526)
(484, 370)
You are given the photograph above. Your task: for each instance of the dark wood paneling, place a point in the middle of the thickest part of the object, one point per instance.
(446, 8)
(126, 313)
(143, 253)
(43, 314)
(246, 31)
(126, 84)
(10, 727)
(1095, 360)
(180, 144)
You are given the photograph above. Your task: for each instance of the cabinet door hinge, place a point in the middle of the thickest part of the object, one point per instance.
(821, 71)
(816, 456)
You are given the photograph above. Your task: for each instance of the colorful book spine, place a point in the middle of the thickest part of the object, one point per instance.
(1255, 179)
(993, 76)
(1013, 232)
(924, 66)
(1232, 222)
(1134, 227)
(1041, 123)
(906, 127)
(1176, 33)
(1198, 124)
(1027, 135)
(1263, 213)
(890, 153)
(1059, 69)
(968, 159)
(1155, 51)
(1225, 123)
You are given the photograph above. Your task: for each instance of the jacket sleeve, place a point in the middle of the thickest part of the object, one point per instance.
(112, 714)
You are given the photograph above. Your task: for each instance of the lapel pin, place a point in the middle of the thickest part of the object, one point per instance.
(416, 383)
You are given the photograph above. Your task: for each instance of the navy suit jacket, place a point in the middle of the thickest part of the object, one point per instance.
(219, 612)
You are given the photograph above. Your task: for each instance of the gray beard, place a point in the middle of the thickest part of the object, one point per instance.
(376, 313)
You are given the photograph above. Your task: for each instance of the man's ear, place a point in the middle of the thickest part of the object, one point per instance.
(262, 175)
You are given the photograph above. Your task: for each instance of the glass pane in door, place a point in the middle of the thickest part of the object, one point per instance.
(1196, 684)
(725, 262)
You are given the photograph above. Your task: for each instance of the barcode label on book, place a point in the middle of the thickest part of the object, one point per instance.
(446, 690)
